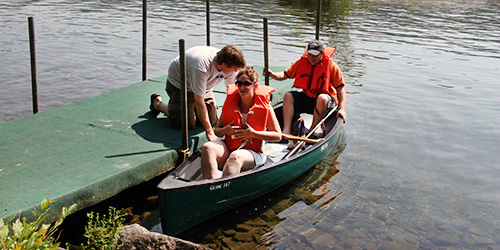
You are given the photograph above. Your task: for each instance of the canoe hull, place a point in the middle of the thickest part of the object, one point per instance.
(186, 205)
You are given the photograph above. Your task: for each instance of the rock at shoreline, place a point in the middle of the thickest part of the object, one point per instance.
(136, 237)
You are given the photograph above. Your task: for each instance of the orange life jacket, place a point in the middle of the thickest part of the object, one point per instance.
(257, 115)
(314, 80)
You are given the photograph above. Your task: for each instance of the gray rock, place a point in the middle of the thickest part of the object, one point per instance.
(136, 237)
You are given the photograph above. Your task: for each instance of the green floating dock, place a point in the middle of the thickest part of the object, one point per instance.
(90, 150)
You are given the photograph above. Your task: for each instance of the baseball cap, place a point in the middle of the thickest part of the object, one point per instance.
(315, 47)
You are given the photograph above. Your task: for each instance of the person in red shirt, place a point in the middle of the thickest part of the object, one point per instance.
(321, 82)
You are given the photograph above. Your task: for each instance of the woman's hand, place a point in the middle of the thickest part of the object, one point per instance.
(229, 129)
(244, 133)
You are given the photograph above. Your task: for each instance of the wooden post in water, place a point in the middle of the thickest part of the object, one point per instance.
(208, 22)
(34, 84)
(144, 39)
(184, 117)
(266, 52)
(318, 18)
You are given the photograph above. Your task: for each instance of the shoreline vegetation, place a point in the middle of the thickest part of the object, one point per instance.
(21, 234)
(103, 231)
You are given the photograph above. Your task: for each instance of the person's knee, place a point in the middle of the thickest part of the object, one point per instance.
(234, 163)
(234, 159)
(322, 102)
(208, 150)
(288, 98)
(322, 99)
(208, 147)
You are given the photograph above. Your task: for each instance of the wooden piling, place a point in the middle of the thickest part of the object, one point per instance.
(318, 19)
(184, 117)
(208, 22)
(144, 39)
(266, 52)
(34, 84)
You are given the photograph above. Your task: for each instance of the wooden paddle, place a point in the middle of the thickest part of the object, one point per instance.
(298, 138)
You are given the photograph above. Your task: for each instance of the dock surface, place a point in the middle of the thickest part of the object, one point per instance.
(90, 150)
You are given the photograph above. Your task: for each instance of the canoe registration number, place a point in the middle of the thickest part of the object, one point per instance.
(219, 186)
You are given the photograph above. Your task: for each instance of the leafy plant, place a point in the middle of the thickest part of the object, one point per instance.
(34, 235)
(103, 233)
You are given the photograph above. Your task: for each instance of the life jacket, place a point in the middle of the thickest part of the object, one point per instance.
(319, 82)
(257, 115)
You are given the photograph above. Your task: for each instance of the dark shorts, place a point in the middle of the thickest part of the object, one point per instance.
(174, 106)
(305, 104)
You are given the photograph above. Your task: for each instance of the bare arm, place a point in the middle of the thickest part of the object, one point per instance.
(279, 76)
(341, 95)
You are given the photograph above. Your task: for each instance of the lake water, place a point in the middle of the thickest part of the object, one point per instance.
(420, 162)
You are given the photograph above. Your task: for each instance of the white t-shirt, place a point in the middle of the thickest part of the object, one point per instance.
(201, 70)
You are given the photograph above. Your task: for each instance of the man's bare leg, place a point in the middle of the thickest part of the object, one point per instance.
(288, 111)
(319, 110)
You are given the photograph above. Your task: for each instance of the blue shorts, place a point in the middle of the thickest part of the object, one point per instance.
(258, 158)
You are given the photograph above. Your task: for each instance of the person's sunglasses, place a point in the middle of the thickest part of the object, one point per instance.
(246, 84)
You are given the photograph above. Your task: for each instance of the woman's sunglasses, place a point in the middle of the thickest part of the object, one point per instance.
(246, 84)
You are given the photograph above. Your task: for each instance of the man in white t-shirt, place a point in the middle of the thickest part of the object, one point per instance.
(205, 67)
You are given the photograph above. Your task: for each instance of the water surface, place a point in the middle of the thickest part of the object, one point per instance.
(420, 164)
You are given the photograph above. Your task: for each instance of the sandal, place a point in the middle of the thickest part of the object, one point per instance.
(152, 107)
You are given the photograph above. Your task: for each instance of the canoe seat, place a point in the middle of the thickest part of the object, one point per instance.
(308, 119)
(274, 151)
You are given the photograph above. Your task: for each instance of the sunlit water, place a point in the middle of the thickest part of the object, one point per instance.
(420, 167)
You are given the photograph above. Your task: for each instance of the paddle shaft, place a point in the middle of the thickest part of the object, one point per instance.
(298, 138)
(319, 124)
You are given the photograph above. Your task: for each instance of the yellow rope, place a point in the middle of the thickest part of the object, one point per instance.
(185, 153)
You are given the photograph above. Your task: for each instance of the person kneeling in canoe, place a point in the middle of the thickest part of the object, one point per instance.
(246, 114)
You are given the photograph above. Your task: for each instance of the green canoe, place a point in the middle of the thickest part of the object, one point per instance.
(186, 199)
